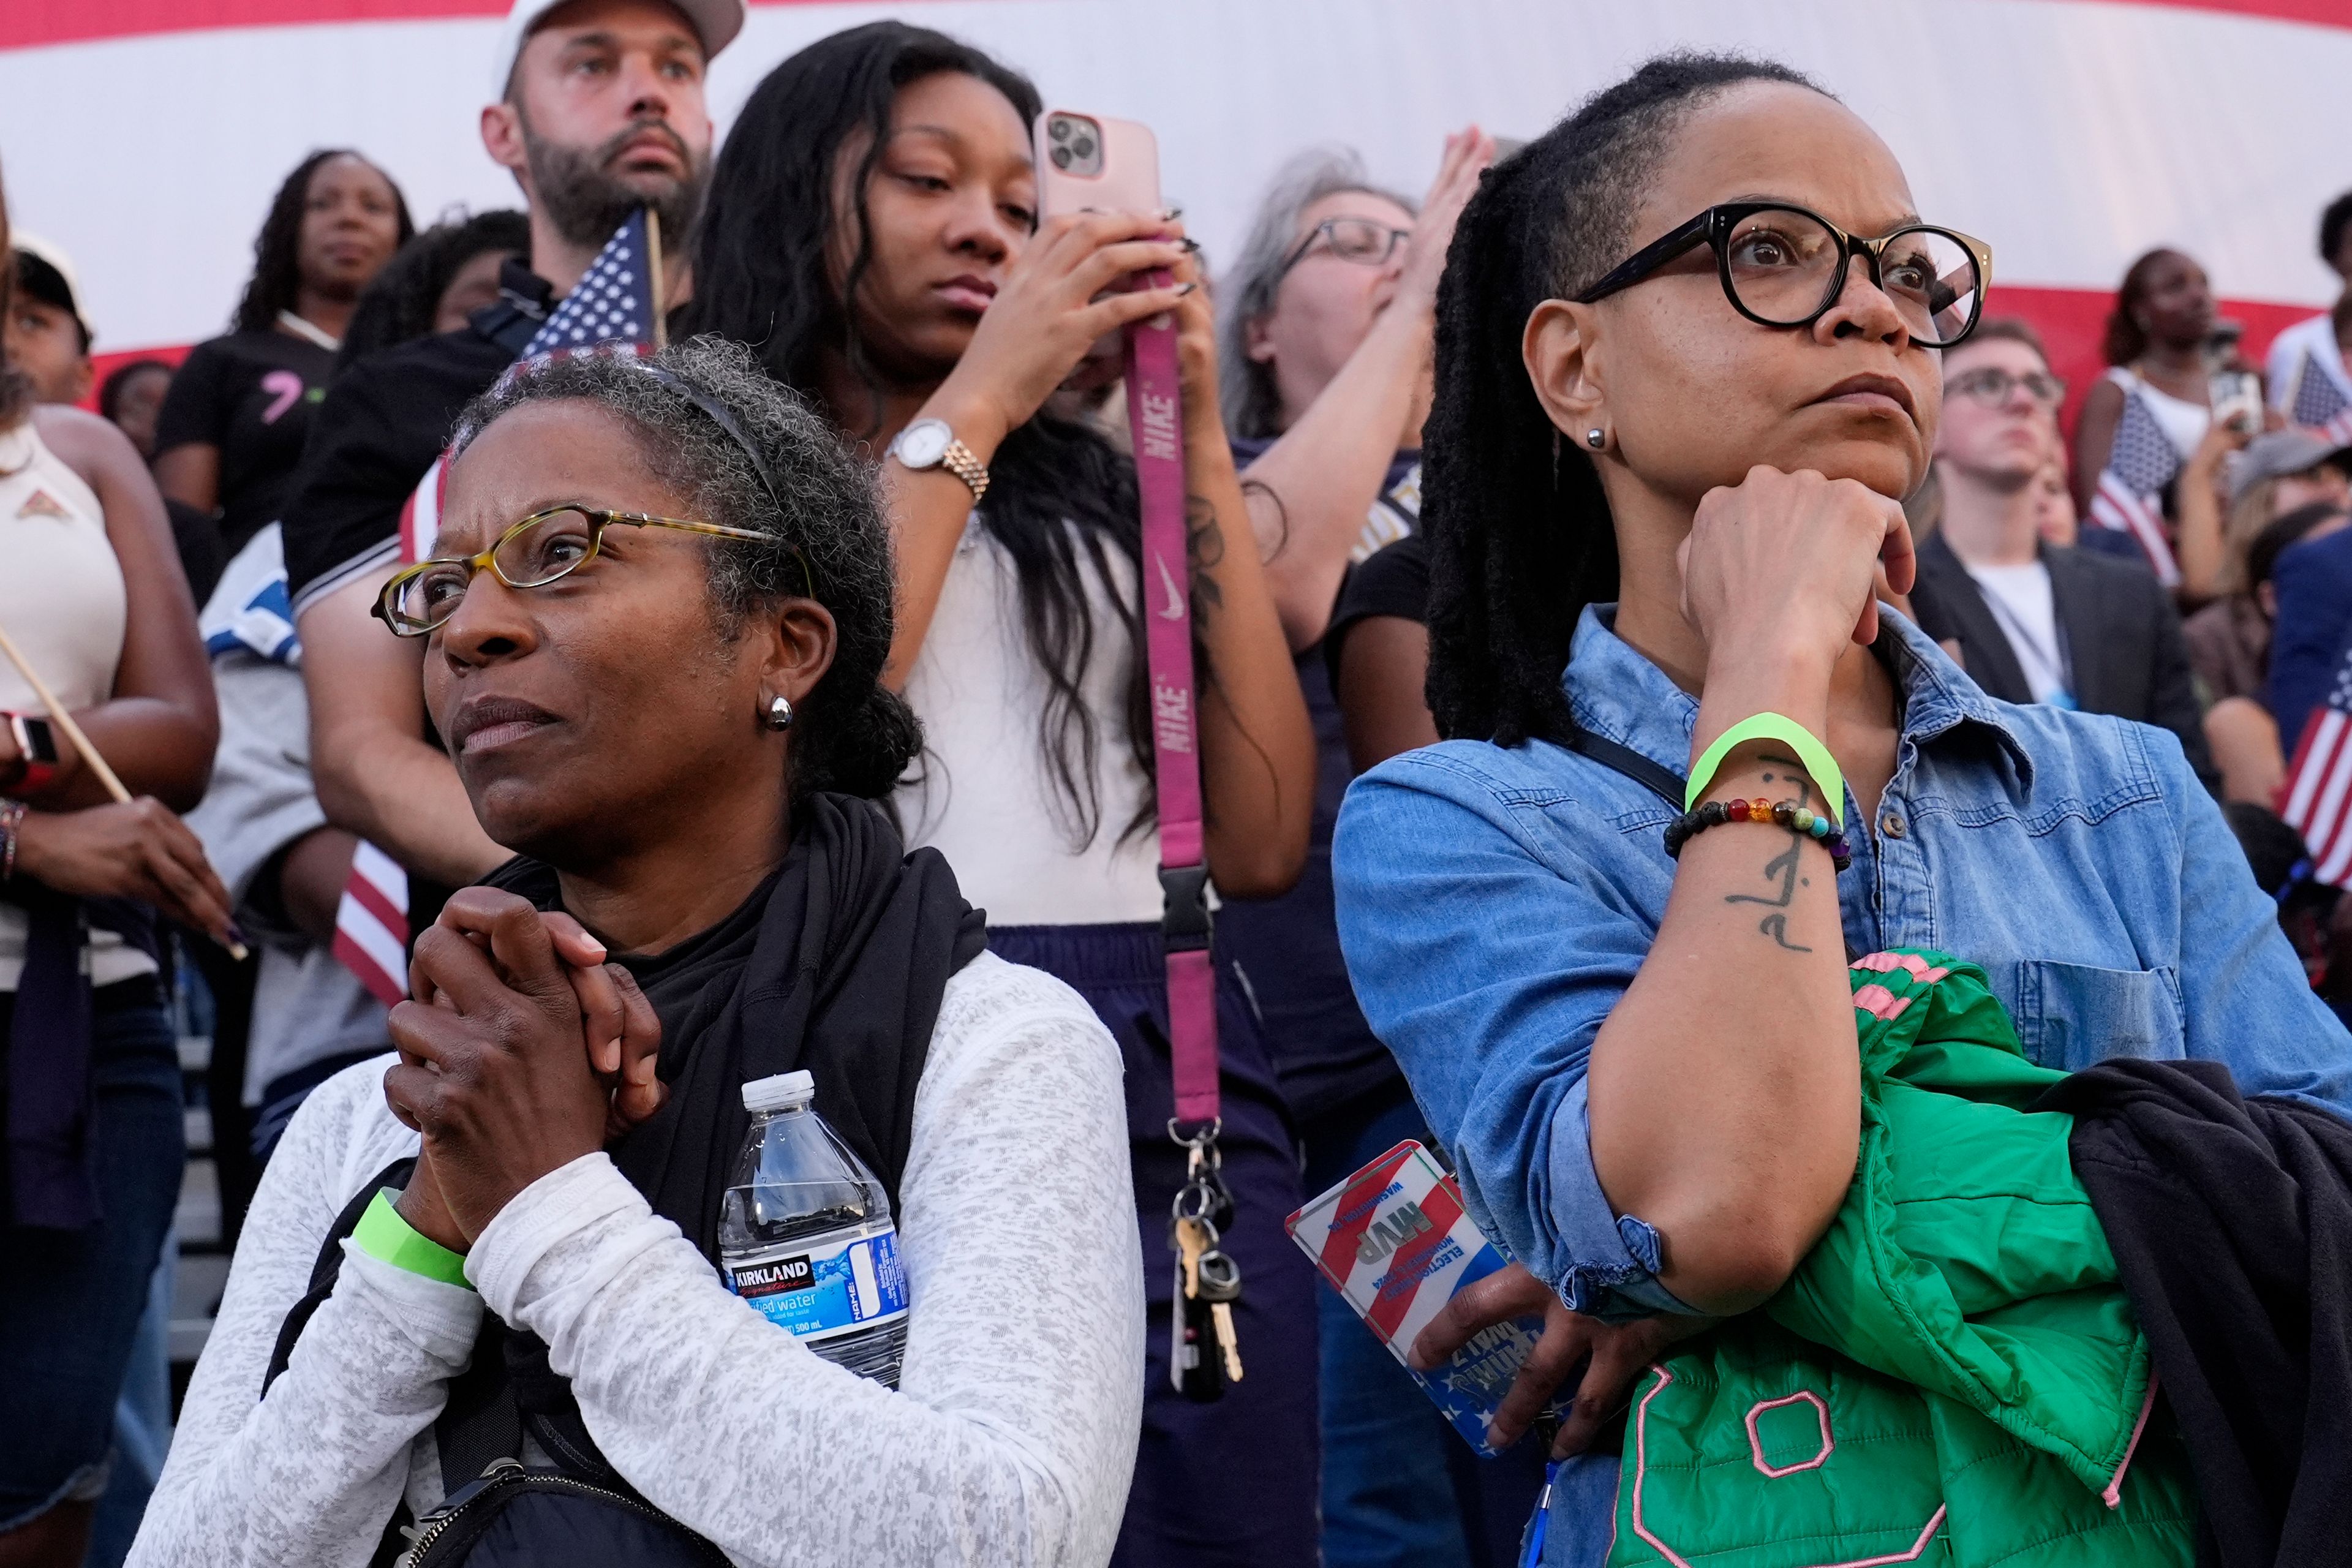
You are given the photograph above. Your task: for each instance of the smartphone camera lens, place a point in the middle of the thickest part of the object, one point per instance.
(1084, 147)
(1059, 129)
(1060, 157)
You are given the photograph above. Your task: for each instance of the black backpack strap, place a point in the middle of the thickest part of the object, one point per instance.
(480, 1422)
(330, 1264)
(1656, 776)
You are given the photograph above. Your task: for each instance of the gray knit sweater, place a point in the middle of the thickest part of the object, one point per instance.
(1009, 1441)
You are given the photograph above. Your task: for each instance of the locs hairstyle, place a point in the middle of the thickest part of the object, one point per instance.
(277, 264)
(1520, 538)
(1061, 500)
(851, 733)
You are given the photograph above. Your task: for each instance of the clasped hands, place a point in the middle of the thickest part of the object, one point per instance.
(520, 1050)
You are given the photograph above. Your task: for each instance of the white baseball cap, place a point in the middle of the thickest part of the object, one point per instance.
(54, 256)
(716, 22)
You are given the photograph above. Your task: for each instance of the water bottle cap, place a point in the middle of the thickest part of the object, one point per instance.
(784, 1091)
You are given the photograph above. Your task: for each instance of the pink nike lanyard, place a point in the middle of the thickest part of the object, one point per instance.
(1155, 418)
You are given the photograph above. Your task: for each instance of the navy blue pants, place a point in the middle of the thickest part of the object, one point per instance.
(1231, 1484)
(71, 1300)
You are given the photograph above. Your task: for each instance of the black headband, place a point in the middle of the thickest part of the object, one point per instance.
(721, 417)
(725, 420)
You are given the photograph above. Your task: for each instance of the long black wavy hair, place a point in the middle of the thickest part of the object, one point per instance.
(1520, 536)
(1061, 500)
(276, 278)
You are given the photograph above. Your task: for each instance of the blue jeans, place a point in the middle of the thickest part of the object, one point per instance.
(1400, 1489)
(70, 1301)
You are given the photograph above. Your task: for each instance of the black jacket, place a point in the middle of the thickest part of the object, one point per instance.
(2123, 638)
(2232, 1224)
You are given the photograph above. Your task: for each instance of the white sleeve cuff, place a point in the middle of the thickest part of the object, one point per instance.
(438, 1318)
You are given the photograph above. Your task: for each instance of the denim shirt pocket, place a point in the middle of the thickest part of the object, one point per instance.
(2073, 1016)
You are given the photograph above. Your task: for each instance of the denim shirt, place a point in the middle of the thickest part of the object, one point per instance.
(1493, 904)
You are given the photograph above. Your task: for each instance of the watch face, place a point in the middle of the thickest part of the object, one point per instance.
(922, 444)
(40, 741)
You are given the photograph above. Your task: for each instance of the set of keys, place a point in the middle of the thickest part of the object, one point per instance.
(1204, 1352)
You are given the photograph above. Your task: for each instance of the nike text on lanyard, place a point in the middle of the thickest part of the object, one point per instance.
(1203, 1354)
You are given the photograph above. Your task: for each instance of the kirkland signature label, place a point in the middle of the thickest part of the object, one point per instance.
(833, 1289)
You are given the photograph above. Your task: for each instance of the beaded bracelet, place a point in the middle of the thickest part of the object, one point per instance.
(1800, 820)
(12, 817)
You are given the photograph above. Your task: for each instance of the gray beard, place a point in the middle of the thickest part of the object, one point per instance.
(585, 204)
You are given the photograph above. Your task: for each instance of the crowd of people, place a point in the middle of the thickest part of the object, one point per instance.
(525, 752)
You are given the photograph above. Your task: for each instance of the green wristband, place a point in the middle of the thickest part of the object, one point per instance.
(1811, 755)
(385, 1236)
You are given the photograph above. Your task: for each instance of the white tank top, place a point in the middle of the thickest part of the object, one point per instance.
(63, 603)
(984, 793)
(2183, 421)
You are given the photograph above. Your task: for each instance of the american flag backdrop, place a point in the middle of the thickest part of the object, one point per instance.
(2317, 799)
(2320, 403)
(616, 307)
(2141, 464)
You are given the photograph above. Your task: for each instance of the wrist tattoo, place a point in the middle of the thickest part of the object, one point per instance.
(1205, 544)
(1782, 869)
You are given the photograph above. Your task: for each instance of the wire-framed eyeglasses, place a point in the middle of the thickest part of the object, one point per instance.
(544, 548)
(1365, 241)
(1992, 385)
(1784, 266)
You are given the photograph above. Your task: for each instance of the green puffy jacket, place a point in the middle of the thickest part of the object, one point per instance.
(1953, 1376)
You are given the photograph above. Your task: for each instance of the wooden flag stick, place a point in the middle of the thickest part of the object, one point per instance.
(654, 277)
(58, 716)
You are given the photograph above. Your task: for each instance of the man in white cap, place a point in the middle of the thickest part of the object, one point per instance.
(599, 110)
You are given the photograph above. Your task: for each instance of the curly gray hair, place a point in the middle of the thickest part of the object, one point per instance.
(1253, 406)
(829, 539)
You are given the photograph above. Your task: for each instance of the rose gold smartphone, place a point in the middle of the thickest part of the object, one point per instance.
(1091, 163)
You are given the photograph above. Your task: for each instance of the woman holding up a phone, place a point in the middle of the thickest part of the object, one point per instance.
(873, 234)
(1687, 367)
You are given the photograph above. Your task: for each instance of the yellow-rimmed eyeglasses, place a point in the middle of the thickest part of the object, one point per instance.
(541, 549)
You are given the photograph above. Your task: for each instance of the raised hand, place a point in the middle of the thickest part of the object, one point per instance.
(1057, 299)
(1467, 154)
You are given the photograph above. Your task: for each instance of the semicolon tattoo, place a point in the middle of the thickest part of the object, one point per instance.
(1783, 868)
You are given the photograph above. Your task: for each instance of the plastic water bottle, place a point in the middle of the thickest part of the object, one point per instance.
(805, 1234)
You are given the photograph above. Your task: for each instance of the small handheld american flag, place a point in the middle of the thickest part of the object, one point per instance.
(2317, 799)
(617, 301)
(2140, 464)
(616, 307)
(2320, 403)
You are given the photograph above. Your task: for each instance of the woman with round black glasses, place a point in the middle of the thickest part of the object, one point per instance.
(1686, 369)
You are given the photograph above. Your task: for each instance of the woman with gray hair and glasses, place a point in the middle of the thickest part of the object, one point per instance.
(1326, 355)
(1326, 328)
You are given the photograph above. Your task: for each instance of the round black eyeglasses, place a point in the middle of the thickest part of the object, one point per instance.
(1782, 266)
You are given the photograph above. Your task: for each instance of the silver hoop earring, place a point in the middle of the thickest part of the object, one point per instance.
(780, 714)
(1596, 439)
